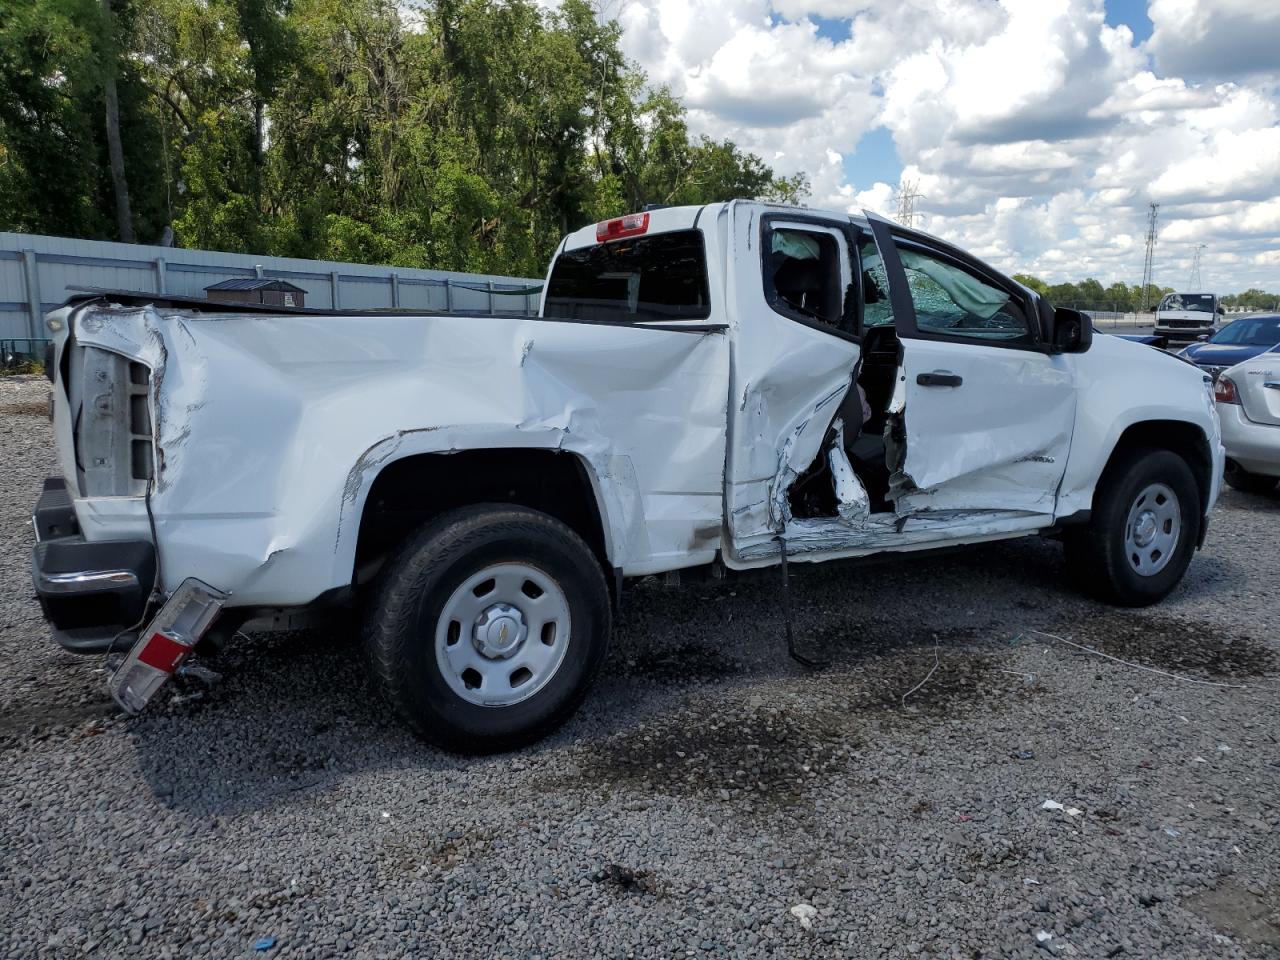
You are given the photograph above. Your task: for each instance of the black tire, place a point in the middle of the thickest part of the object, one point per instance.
(1097, 556)
(400, 631)
(1247, 482)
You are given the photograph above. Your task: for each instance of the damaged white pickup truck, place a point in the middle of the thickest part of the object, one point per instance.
(729, 385)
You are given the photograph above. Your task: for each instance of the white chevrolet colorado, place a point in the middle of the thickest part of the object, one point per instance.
(733, 385)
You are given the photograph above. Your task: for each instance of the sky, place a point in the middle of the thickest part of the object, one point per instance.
(1037, 131)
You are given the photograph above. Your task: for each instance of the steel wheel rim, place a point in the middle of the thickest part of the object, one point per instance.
(1152, 529)
(502, 634)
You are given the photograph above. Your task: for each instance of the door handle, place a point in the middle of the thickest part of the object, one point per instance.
(939, 378)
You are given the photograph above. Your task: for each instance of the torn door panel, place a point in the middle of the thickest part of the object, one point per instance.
(801, 447)
(852, 503)
(778, 433)
(823, 539)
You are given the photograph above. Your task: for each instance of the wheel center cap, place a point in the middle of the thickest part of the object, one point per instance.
(1144, 529)
(499, 631)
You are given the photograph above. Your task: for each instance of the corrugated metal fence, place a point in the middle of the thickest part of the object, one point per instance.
(37, 273)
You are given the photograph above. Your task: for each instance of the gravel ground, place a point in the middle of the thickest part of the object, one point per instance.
(708, 792)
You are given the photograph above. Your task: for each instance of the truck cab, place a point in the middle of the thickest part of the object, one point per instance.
(734, 386)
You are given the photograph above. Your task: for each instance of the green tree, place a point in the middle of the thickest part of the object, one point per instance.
(1090, 291)
(1064, 294)
(1120, 295)
(327, 128)
(55, 174)
(1252, 299)
(1032, 283)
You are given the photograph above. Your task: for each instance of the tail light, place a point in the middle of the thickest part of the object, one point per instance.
(632, 225)
(113, 433)
(1224, 391)
(165, 643)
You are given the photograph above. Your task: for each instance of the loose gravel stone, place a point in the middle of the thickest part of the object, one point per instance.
(707, 787)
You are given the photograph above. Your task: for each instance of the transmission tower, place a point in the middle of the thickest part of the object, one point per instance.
(907, 196)
(1148, 266)
(1194, 282)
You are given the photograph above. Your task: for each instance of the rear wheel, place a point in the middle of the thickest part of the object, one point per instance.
(1144, 528)
(1247, 482)
(489, 628)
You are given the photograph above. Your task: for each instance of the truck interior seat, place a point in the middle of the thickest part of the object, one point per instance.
(804, 285)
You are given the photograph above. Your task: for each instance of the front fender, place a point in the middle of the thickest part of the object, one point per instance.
(1122, 385)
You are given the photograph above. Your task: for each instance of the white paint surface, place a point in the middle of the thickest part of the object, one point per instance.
(272, 429)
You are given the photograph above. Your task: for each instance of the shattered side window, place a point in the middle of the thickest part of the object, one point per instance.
(803, 272)
(662, 276)
(948, 299)
(876, 311)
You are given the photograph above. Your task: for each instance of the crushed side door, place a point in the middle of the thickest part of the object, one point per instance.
(788, 379)
(988, 414)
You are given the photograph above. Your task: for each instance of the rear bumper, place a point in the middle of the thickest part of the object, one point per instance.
(89, 591)
(1253, 446)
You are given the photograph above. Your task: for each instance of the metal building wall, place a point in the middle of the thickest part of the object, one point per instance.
(38, 272)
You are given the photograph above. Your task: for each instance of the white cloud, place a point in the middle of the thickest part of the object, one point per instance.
(1036, 132)
(1244, 165)
(879, 198)
(755, 78)
(1216, 38)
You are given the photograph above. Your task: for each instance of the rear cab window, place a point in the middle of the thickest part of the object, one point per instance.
(660, 276)
(806, 272)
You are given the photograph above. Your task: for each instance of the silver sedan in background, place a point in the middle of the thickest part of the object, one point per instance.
(1248, 399)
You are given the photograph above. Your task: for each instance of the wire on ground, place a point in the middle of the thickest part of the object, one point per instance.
(1138, 666)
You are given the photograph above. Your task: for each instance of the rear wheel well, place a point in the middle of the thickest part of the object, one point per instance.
(1178, 436)
(411, 491)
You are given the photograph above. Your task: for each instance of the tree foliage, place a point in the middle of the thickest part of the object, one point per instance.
(464, 134)
(1089, 294)
(1252, 299)
(54, 174)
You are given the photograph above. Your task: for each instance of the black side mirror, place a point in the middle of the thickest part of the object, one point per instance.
(1072, 331)
(1222, 311)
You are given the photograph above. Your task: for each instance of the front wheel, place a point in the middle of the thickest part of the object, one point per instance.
(489, 627)
(1144, 528)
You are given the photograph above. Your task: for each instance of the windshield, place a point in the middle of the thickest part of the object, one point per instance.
(1197, 302)
(1251, 332)
(659, 277)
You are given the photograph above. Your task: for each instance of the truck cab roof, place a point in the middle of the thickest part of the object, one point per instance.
(662, 219)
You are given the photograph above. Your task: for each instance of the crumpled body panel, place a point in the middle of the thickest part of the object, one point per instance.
(999, 441)
(269, 431)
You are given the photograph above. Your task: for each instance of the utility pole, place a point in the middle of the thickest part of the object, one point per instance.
(1148, 266)
(907, 196)
(1194, 282)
